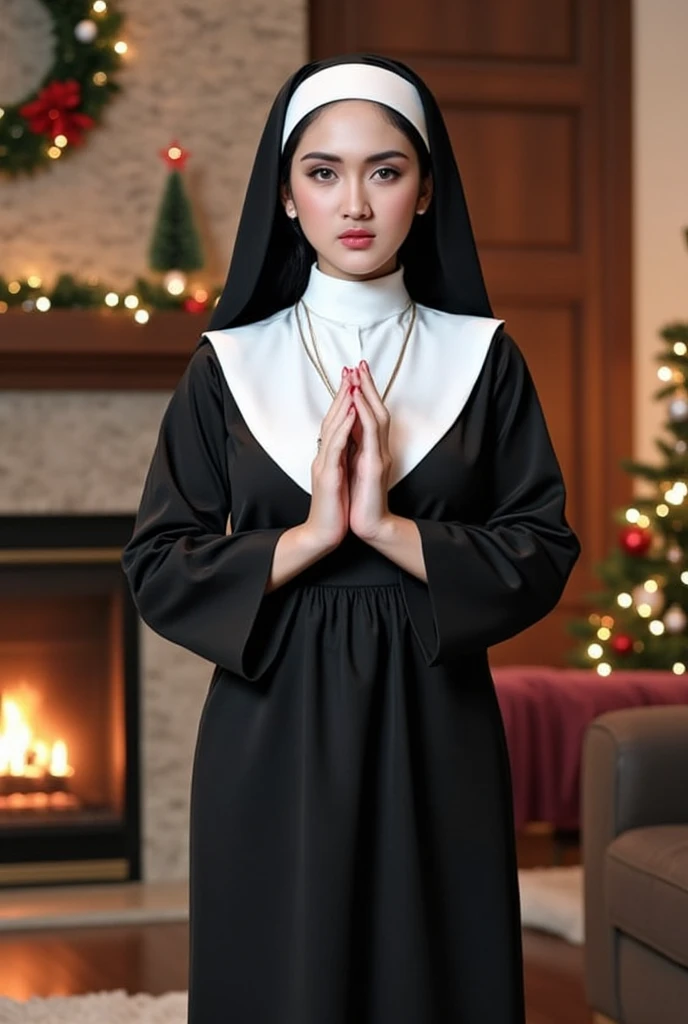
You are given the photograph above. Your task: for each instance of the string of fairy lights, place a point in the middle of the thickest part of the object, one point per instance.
(175, 284)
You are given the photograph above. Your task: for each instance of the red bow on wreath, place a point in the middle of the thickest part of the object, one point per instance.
(51, 113)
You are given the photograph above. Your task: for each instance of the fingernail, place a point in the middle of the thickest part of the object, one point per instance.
(365, 366)
(345, 372)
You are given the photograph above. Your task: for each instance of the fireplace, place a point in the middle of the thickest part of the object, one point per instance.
(69, 702)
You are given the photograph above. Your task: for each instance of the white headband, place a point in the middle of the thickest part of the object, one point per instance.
(356, 82)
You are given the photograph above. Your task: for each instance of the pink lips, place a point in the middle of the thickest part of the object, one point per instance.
(357, 239)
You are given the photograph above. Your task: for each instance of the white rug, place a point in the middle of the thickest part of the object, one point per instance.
(97, 1008)
(552, 900)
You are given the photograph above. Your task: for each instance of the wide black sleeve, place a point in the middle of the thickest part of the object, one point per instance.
(191, 582)
(489, 582)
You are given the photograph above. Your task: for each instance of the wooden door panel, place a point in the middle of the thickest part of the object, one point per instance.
(518, 172)
(547, 338)
(529, 30)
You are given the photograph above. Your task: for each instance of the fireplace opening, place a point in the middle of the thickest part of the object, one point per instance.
(69, 702)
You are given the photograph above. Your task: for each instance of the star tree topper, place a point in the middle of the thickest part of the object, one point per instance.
(175, 156)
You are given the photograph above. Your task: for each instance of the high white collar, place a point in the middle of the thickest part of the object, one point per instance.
(362, 303)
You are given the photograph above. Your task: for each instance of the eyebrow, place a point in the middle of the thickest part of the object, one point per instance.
(332, 158)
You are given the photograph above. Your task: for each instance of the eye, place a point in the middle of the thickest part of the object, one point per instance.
(388, 173)
(318, 171)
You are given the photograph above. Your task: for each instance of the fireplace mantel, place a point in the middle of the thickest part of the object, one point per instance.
(78, 349)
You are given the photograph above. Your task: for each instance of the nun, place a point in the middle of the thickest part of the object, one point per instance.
(353, 495)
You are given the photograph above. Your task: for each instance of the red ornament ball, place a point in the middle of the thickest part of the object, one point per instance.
(622, 643)
(192, 305)
(635, 540)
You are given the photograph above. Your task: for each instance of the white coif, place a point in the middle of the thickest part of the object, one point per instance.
(356, 82)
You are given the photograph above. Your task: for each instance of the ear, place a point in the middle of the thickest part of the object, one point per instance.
(425, 194)
(287, 202)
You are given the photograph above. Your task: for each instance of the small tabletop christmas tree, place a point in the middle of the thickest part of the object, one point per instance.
(641, 617)
(175, 247)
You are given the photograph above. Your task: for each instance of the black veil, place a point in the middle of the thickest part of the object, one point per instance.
(441, 266)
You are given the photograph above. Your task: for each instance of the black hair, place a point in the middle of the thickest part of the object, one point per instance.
(295, 272)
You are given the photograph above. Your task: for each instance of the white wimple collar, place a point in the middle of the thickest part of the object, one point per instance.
(362, 303)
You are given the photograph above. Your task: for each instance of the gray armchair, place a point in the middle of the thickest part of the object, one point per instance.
(635, 857)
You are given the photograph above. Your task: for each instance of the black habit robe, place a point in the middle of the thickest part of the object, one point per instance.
(352, 845)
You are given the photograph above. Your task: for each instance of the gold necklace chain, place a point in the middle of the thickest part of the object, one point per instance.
(317, 362)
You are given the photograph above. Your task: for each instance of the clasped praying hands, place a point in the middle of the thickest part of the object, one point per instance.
(351, 470)
(369, 459)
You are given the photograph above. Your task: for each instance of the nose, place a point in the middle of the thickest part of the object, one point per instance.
(356, 203)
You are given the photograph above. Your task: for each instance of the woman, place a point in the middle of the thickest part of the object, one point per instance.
(396, 508)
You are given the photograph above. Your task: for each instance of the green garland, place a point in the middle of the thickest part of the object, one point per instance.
(70, 292)
(52, 121)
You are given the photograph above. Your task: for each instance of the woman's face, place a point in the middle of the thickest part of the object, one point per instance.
(355, 186)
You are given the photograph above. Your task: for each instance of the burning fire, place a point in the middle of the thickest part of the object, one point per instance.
(33, 772)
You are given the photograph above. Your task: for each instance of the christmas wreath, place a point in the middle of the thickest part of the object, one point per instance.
(68, 103)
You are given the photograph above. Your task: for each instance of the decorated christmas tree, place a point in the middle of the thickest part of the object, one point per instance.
(639, 619)
(175, 247)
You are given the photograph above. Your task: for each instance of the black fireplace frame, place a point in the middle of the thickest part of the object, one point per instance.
(69, 854)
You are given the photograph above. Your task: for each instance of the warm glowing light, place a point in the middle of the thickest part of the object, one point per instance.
(651, 586)
(141, 316)
(2, 112)
(99, 7)
(644, 611)
(624, 600)
(604, 669)
(99, 78)
(595, 651)
(656, 627)
(120, 46)
(58, 761)
(43, 304)
(23, 756)
(678, 668)
(61, 141)
(684, 578)
(33, 281)
(201, 295)
(632, 515)
(643, 521)
(662, 511)
(680, 348)
(607, 621)
(3, 306)
(54, 152)
(175, 282)
(665, 373)
(112, 299)
(131, 301)
(603, 633)
(13, 287)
